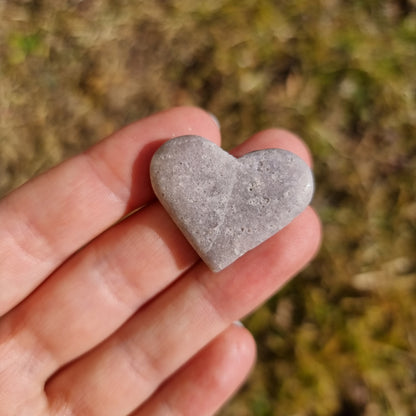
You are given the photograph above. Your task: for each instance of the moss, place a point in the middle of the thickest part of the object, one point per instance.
(339, 338)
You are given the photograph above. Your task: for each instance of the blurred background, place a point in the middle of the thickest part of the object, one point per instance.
(340, 339)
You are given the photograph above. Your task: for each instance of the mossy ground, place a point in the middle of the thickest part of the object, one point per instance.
(340, 339)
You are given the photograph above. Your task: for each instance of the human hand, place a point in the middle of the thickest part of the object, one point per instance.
(106, 317)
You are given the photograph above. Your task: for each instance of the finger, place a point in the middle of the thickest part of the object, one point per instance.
(204, 384)
(275, 138)
(170, 329)
(99, 288)
(50, 217)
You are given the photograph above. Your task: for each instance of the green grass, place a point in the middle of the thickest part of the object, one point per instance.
(340, 339)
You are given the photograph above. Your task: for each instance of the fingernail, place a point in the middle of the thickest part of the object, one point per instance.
(217, 122)
(238, 323)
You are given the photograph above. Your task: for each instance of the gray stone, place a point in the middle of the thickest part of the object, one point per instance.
(226, 206)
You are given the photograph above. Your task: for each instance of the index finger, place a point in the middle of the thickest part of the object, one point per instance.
(49, 218)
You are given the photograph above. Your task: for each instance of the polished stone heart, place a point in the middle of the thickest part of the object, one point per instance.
(227, 206)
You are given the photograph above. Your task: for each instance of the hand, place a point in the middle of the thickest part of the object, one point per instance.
(106, 317)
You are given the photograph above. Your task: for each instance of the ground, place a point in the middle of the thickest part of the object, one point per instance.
(340, 339)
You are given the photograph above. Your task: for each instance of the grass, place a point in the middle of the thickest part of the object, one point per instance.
(340, 339)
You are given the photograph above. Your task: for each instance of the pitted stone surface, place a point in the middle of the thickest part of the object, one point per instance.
(227, 206)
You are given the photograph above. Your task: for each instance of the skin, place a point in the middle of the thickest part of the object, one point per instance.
(106, 317)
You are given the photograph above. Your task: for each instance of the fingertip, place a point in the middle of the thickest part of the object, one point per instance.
(236, 353)
(209, 379)
(313, 231)
(240, 340)
(194, 120)
(275, 138)
(216, 121)
(170, 123)
(295, 144)
(302, 237)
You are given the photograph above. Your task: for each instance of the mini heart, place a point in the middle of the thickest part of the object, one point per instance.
(227, 206)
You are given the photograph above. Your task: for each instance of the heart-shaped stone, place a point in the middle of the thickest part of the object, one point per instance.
(227, 206)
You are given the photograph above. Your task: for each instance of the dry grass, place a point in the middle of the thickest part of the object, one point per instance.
(341, 339)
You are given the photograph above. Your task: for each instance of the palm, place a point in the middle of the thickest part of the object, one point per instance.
(101, 317)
